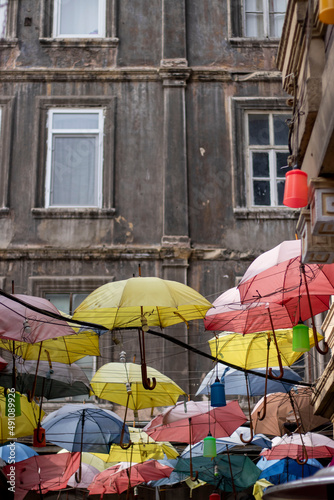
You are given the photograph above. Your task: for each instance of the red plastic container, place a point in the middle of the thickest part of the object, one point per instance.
(39, 440)
(296, 189)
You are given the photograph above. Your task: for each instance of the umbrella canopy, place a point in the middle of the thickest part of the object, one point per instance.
(139, 452)
(287, 469)
(16, 452)
(279, 271)
(279, 410)
(231, 314)
(294, 446)
(87, 476)
(142, 300)
(43, 473)
(192, 421)
(250, 351)
(174, 478)
(84, 427)
(66, 349)
(56, 381)
(18, 322)
(235, 381)
(110, 382)
(24, 424)
(120, 477)
(217, 471)
(97, 460)
(225, 444)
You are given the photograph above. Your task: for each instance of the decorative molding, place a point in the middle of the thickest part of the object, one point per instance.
(265, 213)
(73, 213)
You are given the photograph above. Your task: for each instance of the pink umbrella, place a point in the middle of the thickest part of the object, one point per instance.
(279, 276)
(194, 424)
(120, 477)
(229, 313)
(300, 447)
(18, 322)
(42, 473)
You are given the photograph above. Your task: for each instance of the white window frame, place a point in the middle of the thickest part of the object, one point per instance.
(266, 22)
(71, 132)
(271, 149)
(101, 22)
(3, 18)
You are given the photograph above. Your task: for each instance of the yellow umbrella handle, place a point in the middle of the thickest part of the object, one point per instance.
(145, 381)
(121, 444)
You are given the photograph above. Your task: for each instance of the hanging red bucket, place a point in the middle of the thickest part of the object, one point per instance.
(214, 496)
(296, 189)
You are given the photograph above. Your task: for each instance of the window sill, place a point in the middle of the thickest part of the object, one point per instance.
(8, 42)
(79, 42)
(265, 213)
(73, 213)
(254, 42)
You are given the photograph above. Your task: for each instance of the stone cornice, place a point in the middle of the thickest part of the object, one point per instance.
(141, 73)
(126, 253)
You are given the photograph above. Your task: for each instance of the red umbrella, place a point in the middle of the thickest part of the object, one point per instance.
(300, 447)
(280, 276)
(18, 322)
(42, 473)
(194, 424)
(3, 363)
(229, 313)
(120, 477)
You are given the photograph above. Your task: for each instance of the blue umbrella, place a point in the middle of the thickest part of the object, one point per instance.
(174, 478)
(235, 381)
(84, 427)
(287, 469)
(16, 452)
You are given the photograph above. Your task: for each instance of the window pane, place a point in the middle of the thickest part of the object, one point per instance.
(280, 192)
(261, 190)
(60, 300)
(281, 129)
(74, 171)
(258, 126)
(77, 298)
(254, 25)
(276, 22)
(277, 5)
(79, 17)
(282, 164)
(3, 18)
(260, 164)
(253, 5)
(77, 121)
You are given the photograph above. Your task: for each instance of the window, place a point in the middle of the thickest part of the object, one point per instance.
(74, 158)
(79, 18)
(3, 18)
(67, 302)
(264, 18)
(268, 155)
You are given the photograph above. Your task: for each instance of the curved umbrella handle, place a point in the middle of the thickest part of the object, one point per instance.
(146, 381)
(303, 460)
(247, 441)
(78, 475)
(315, 336)
(264, 409)
(279, 359)
(192, 476)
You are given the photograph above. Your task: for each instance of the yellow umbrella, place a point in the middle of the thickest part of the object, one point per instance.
(22, 425)
(67, 349)
(140, 302)
(140, 452)
(122, 383)
(97, 460)
(259, 487)
(250, 351)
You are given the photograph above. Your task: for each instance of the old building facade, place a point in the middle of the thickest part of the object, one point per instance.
(306, 58)
(147, 132)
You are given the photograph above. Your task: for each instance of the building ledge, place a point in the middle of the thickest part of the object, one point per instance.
(68, 213)
(265, 213)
